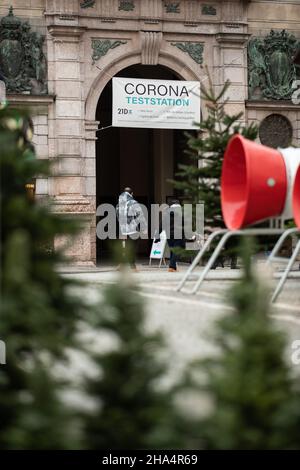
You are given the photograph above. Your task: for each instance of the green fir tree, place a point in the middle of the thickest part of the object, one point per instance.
(133, 410)
(199, 180)
(38, 313)
(253, 392)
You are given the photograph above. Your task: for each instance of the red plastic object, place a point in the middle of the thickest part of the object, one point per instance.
(253, 183)
(296, 198)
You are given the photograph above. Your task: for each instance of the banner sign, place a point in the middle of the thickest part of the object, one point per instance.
(158, 104)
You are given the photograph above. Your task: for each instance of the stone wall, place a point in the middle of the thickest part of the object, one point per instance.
(32, 10)
(87, 42)
(264, 15)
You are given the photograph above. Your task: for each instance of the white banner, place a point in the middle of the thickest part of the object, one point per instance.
(159, 104)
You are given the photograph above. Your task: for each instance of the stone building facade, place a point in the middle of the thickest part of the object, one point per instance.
(87, 42)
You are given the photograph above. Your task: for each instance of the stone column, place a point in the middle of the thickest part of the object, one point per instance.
(231, 60)
(163, 164)
(91, 128)
(72, 196)
(230, 56)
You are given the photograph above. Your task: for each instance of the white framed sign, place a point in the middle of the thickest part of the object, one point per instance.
(160, 249)
(157, 104)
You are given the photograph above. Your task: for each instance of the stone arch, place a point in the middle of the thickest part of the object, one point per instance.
(184, 70)
(166, 59)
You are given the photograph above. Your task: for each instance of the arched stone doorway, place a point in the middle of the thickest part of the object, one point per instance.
(144, 159)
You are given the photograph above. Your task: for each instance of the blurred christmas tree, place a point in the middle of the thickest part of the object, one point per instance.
(254, 397)
(133, 411)
(38, 313)
(200, 179)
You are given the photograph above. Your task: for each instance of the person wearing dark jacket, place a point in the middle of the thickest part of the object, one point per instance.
(172, 224)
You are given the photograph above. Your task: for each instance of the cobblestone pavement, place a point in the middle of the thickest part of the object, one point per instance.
(186, 320)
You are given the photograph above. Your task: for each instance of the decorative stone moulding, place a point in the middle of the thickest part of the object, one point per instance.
(229, 37)
(151, 21)
(271, 70)
(67, 17)
(151, 42)
(193, 49)
(233, 25)
(191, 24)
(22, 61)
(102, 46)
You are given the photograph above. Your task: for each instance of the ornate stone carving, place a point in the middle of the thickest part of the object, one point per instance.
(151, 42)
(126, 5)
(193, 49)
(102, 46)
(87, 3)
(22, 61)
(270, 66)
(172, 7)
(276, 131)
(209, 10)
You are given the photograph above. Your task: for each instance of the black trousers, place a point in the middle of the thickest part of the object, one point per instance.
(129, 250)
(174, 257)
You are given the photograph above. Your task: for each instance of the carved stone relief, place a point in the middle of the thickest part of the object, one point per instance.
(270, 66)
(102, 46)
(193, 49)
(22, 61)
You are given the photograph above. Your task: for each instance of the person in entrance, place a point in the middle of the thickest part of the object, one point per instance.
(172, 224)
(132, 224)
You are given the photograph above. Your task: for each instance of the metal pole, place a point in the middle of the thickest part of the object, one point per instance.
(286, 273)
(226, 236)
(199, 256)
(280, 242)
(213, 258)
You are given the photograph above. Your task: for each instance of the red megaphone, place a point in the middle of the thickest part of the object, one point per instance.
(296, 198)
(257, 182)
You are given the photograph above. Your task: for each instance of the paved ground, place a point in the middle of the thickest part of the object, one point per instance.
(186, 320)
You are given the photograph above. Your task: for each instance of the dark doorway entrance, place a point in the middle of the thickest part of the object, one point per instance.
(143, 159)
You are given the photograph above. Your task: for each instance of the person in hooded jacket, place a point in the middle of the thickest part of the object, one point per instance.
(132, 223)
